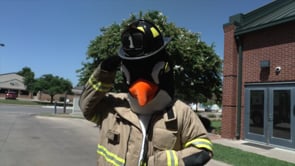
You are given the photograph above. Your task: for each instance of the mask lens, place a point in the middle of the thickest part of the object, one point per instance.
(133, 44)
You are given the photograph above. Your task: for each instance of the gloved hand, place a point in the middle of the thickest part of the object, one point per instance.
(111, 63)
(198, 159)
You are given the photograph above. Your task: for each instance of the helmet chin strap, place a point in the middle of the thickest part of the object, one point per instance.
(158, 103)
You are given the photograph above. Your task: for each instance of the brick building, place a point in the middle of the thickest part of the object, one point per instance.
(12, 82)
(15, 82)
(259, 75)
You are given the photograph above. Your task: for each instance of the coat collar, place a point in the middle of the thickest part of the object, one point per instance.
(168, 114)
(128, 115)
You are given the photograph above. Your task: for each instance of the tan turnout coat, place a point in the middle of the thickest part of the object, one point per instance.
(172, 135)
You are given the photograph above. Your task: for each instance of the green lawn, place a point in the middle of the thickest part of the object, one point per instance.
(216, 124)
(239, 157)
(20, 102)
(27, 102)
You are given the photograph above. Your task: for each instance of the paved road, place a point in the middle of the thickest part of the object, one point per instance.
(27, 139)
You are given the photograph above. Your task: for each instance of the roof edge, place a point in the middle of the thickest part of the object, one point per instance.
(251, 29)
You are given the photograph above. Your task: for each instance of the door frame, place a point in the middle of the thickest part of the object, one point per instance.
(268, 91)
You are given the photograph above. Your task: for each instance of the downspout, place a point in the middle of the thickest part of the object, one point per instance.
(239, 91)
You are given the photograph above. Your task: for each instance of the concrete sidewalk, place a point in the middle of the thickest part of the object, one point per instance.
(216, 163)
(268, 151)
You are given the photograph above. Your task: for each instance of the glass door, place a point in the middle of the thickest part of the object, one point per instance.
(255, 110)
(281, 116)
(270, 115)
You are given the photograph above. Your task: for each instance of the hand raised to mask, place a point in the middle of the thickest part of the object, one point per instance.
(111, 63)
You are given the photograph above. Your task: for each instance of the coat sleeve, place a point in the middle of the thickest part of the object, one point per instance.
(197, 147)
(99, 83)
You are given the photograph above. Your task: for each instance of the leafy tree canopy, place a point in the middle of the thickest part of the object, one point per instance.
(47, 83)
(29, 78)
(53, 85)
(197, 66)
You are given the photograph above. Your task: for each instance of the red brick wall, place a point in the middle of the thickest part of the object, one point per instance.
(229, 95)
(276, 44)
(46, 97)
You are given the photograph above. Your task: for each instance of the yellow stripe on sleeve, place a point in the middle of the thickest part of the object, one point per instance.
(98, 85)
(201, 143)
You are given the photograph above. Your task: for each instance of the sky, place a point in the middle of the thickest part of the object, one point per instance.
(52, 36)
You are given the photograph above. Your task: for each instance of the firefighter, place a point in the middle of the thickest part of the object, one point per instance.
(146, 125)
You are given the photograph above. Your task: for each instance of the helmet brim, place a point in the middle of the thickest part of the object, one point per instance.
(122, 54)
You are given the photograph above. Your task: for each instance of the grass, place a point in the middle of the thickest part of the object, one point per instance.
(28, 102)
(216, 124)
(19, 102)
(239, 157)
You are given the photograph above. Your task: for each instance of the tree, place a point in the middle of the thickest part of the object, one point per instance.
(29, 79)
(99, 49)
(53, 85)
(197, 67)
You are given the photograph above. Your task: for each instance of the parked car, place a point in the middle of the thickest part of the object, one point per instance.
(11, 95)
(193, 106)
(212, 108)
(197, 107)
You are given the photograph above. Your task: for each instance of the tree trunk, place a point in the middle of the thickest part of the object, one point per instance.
(65, 103)
(51, 99)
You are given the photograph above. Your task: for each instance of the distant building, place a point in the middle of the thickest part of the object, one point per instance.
(15, 82)
(12, 82)
(77, 93)
(259, 75)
